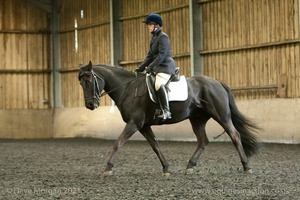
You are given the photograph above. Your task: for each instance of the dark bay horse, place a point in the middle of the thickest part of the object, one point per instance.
(207, 98)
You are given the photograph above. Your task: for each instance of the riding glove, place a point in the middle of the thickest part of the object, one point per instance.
(138, 70)
(148, 70)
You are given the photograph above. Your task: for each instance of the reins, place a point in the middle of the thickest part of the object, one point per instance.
(110, 91)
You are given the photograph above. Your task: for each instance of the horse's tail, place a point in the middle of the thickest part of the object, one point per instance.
(246, 127)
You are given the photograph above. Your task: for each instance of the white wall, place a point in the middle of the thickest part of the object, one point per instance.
(278, 117)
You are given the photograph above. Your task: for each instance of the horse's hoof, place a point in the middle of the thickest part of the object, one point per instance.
(189, 171)
(166, 174)
(248, 171)
(107, 173)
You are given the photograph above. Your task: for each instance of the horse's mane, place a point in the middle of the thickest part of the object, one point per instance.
(115, 69)
(105, 65)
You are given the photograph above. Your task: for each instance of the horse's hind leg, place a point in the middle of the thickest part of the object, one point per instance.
(199, 130)
(236, 139)
(149, 135)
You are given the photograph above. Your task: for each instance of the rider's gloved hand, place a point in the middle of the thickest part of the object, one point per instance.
(138, 70)
(148, 70)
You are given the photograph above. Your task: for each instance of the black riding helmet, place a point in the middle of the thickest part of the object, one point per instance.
(154, 18)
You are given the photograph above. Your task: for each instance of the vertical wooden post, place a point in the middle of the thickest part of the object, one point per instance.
(115, 35)
(299, 17)
(115, 32)
(56, 77)
(196, 35)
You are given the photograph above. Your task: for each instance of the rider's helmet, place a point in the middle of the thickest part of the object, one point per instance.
(154, 18)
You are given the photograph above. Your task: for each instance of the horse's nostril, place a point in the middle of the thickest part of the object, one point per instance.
(89, 105)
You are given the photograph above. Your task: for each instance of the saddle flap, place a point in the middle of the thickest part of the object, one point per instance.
(150, 80)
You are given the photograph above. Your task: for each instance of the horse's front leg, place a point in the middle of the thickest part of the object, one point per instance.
(128, 131)
(149, 135)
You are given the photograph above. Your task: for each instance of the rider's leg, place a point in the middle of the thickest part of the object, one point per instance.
(161, 79)
(161, 91)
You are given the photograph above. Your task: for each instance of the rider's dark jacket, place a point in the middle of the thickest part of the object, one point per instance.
(159, 57)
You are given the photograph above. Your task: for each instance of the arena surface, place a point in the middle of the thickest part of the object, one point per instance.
(72, 169)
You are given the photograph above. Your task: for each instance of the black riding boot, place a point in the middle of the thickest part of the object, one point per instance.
(164, 102)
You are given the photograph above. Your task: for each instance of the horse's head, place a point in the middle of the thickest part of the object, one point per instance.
(92, 85)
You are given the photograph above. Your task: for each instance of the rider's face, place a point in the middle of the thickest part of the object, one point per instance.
(151, 27)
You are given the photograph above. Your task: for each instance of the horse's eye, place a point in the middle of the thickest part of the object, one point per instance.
(88, 79)
(84, 81)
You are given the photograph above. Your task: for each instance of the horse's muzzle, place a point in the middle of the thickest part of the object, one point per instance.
(92, 105)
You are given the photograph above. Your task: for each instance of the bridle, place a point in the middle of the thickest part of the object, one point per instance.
(96, 87)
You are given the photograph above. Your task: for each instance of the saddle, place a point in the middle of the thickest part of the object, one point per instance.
(176, 86)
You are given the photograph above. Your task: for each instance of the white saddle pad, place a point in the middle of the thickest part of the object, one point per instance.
(178, 90)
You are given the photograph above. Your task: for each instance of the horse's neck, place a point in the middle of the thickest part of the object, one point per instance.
(114, 81)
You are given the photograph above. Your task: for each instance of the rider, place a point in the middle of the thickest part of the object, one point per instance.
(159, 61)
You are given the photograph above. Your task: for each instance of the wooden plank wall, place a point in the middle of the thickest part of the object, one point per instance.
(24, 56)
(136, 38)
(93, 40)
(245, 43)
(252, 43)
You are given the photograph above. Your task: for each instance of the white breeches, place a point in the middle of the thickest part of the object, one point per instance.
(161, 78)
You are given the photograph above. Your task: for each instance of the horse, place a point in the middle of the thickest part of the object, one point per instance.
(207, 98)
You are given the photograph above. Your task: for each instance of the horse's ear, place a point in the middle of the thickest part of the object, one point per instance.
(90, 66)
